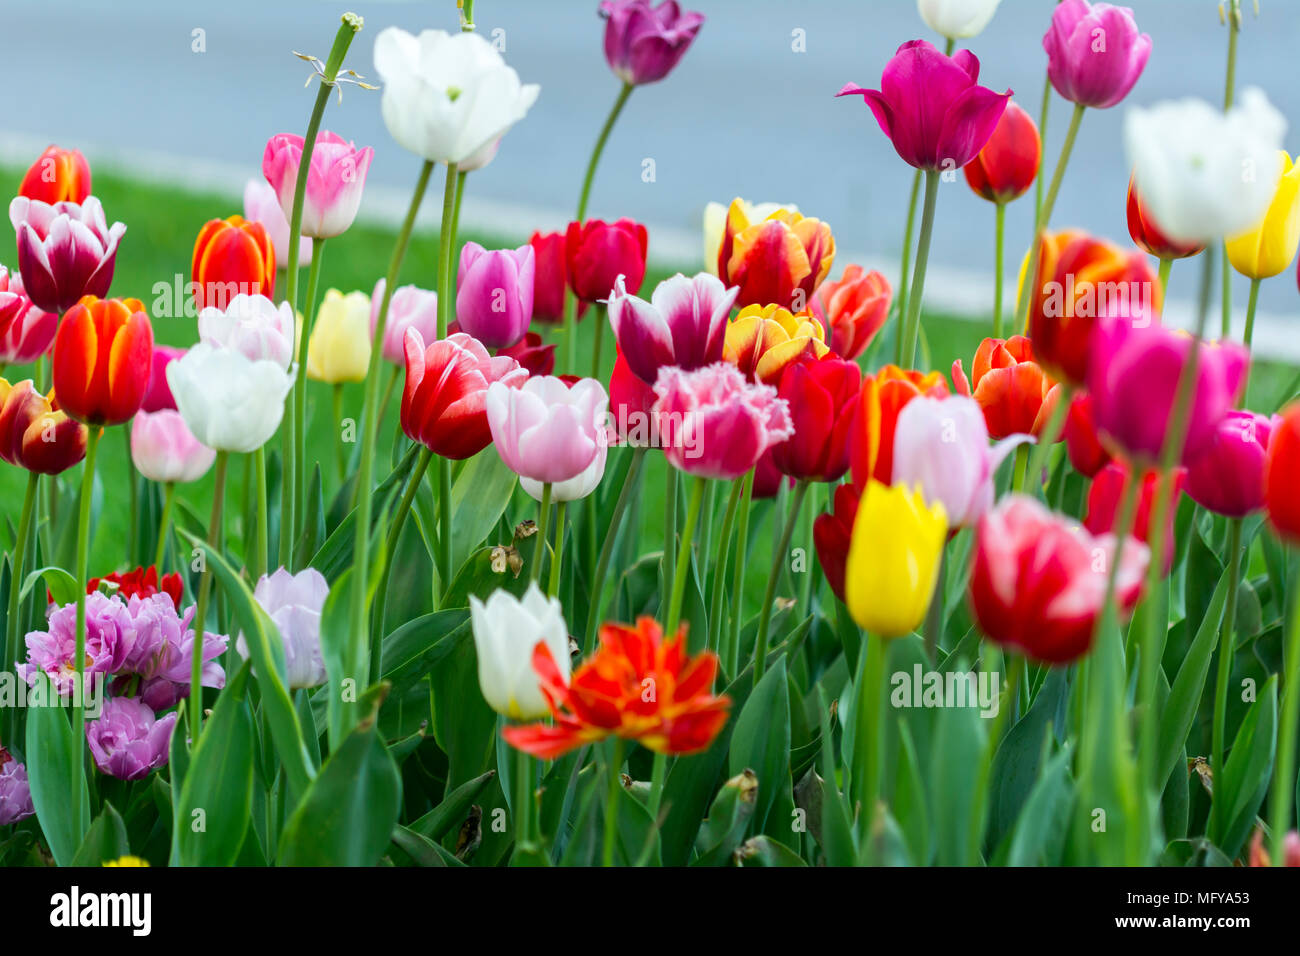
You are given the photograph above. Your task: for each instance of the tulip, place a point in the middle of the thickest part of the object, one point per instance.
(852, 310)
(1107, 490)
(409, 308)
(15, 790)
(779, 260)
(262, 205)
(128, 740)
(1011, 388)
(26, 332)
(768, 479)
(103, 355)
(110, 636)
(883, 396)
(1038, 581)
(893, 560)
(832, 535)
(550, 277)
(163, 448)
(606, 695)
(596, 253)
(253, 326)
(763, 340)
(1270, 246)
(714, 423)
(65, 250)
(1281, 472)
(339, 347)
(931, 106)
(158, 396)
(1228, 477)
(142, 583)
(1005, 167)
(644, 43)
(1147, 234)
(534, 357)
(631, 406)
(448, 96)
(494, 298)
(580, 485)
(444, 403)
(1133, 379)
(957, 19)
(1290, 853)
(715, 224)
(1079, 279)
(1087, 454)
(294, 603)
(34, 434)
(229, 401)
(545, 430)
(162, 656)
(822, 397)
(334, 181)
(1189, 159)
(506, 629)
(1094, 52)
(684, 324)
(58, 175)
(941, 447)
(232, 256)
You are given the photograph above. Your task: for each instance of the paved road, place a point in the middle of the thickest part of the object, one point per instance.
(744, 114)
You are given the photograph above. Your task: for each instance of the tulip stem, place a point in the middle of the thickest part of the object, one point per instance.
(134, 529)
(611, 800)
(539, 546)
(164, 525)
(83, 546)
(598, 341)
(296, 472)
(1229, 92)
(1250, 333)
(869, 737)
(778, 561)
(369, 425)
(738, 581)
(1163, 275)
(1048, 437)
(554, 585)
(630, 487)
(1284, 779)
(340, 458)
(714, 640)
(684, 556)
(205, 592)
(446, 239)
(444, 523)
(999, 230)
(1227, 649)
(523, 798)
(262, 539)
(12, 629)
(1020, 468)
(1042, 142)
(377, 623)
(913, 326)
(905, 265)
(670, 528)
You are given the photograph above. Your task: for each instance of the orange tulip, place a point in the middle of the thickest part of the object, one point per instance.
(762, 340)
(852, 309)
(1012, 389)
(35, 433)
(232, 256)
(781, 259)
(103, 356)
(883, 396)
(637, 686)
(58, 175)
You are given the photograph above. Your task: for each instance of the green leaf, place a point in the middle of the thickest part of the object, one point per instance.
(422, 850)
(724, 828)
(449, 814)
(954, 778)
(1243, 783)
(336, 554)
(1039, 836)
(463, 724)
(762, 850)
(54, 763)
(479, 578)
(479, 497)
(62, 585)
(105, 840)
(761, 741)
(412, 650)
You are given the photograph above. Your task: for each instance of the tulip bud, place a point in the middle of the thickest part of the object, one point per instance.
(34, 434)
(229, 402)
(822, 397)
(852, 310)
(1087, 454)
(1146, 233)
(1228, 477)
(65, 250)
(294, 602)
(334, 181)
(1013, 391)
(339, 347)
(163, 448)
(252, 325)
(409, 308)
(832, 535)
(1081, 72)
(957, 19)
(644, 43)
(684, 324)
(1005, 168)
(494, 298)
(232, 256)
(596, 253)
(506, 630)
(1269, 247)
(103, 356)
(780, 260)
(1107, 491)
(545, 429)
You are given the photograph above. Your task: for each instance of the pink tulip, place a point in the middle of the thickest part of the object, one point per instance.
(1133, 374)
(410, 308)
(545, 430)
(159, 394)
(334, 182)
(165, 450)
(494, 298)
(1228, 477)
(261, 205)
(644, 43)
(252, 325)
(684, 324)
(714, 423)
(65, 250)
(26, 332)
(1094, 52)
(931, 106)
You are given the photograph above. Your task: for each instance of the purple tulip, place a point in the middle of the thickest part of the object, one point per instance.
(15, 791)
(294, 602)
(683, 324)
(410, 308)
(110, 637)
(932, 107)
(65, 250)
(1133, 377)
(1228, 477)
(644, 43)
(1094, 52)
(128, 740)
(494, 298)
(163, 653)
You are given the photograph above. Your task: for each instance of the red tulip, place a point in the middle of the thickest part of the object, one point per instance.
(1106, 492)
(823, 397)
(530, 353)
(852, 309)
(1282, 474)
(768, 478)
(58, 175)
(550, 277)
(1146, 233)
(1005, 168)
(232, 256)
(832, 534)
(631, 405)
(103, 357)
(1012, 389)
(142, 582)
(779, 260)
(1087, 454)
(35, 434)
(596, 253)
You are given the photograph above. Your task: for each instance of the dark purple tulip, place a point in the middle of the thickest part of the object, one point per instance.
(644, 43)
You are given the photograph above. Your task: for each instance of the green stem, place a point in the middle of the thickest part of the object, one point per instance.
(388, 392)
(205, 592)
(444, 523)
(543, 519)
(905, 265)
(523, 798)
(340, 458)
(1021, 467)
(164, 525)
(16, 570)
(999, 230)
(658, 775)
(134, 528)
(377, 622)
(83, 547)
(1227, 649)
(1250, 331)
(684, 555)
(1163, 274)
(1284, 779)
(630, 486)
(714, 640)
(599, 338)
(611, 800)
(769, 596)
(446, 301)
(1049, 436)
(298, 470)
(913, 326)
(670, 528)
(262, 545)
(738, 580)
(1229, 92)
(553, 586)
(869, 734)
(1042, 143)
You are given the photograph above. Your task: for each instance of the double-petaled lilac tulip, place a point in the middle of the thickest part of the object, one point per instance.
(128, 740)
(162, 655)
(110, 637)
(410, 308)
(1094, 52)
(932, 107)
(644, 43)
(546, 430)
(683, 324)
(65, 250)
(335, 179)
(294, 603)
(15, 791)
(494, 298)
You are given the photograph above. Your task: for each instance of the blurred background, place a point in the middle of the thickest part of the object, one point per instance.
(188, 94)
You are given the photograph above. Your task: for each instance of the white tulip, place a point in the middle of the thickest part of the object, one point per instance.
(448, 97)
(1205, 174)
(506, 630)
(253, 325)
(957, 19)
(230, 402)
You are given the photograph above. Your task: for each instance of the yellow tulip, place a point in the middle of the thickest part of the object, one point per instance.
(762, 340)
(1269, 248)
(715, 222)
(127, 861)
(339, 348)
(893, 559)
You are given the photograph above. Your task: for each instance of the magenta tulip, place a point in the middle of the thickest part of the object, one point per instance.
(545, 430)
(26, 332)
(1228, 477)
(932, 107)
(128, 740)
(1094, 52)
(334, 181)
(65, 250)
(164, 449)
(410, 308)
(494, 297)
(159, 394)
(644, 43)
(683, 324)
